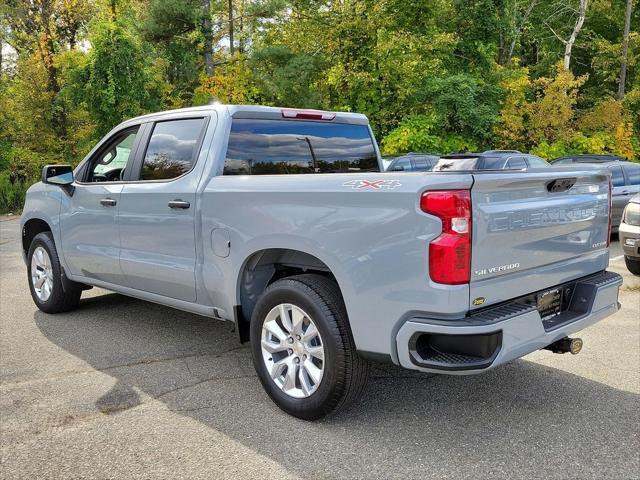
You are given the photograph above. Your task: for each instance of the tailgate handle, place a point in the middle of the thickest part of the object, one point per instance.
(561, 184)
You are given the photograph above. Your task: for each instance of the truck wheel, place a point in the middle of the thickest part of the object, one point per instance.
(302, 347)
(633, 264)
(45, 277)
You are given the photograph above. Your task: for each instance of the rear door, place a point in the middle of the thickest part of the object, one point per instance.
(531, 232)
(156, 214)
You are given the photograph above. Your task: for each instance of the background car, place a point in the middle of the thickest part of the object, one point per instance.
(489, 160)
(413, 161)
(587, 159)
(629, 233)
(625, 180)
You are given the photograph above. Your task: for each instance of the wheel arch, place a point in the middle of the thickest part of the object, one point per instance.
(30, 229)
(263, 267)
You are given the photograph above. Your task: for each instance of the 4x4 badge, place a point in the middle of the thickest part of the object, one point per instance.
(372, 184)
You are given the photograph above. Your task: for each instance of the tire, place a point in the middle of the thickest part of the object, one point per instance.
(633, 264)
(57, 300)
(344, 372)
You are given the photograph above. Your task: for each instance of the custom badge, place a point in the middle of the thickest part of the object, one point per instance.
(372, 184)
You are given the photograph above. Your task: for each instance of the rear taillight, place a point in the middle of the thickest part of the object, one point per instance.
(450, 252)
(610, 213)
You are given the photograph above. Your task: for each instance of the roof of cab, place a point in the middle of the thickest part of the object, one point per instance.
(253, 111)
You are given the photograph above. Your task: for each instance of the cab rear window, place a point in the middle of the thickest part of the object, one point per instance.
(273, 147)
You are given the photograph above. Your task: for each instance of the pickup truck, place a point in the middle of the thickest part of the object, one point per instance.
(280, 221)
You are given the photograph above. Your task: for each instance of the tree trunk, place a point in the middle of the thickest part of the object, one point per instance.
(582, 13)
(206, 33)
(625, 51)
(518, 31)
(231, 27)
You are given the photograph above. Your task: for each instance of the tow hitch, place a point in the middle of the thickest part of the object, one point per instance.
(566, 344)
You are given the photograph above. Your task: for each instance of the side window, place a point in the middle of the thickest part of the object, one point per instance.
(536, 161)
(423, 163)
(563, 161)
(617, 178)
(400, 165)
(109, 164)
(633, 174)
(172, 149)
(516, 163)
(272, 147)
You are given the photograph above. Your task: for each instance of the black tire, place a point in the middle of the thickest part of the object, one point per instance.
(59, 300)
(633, 265)
(345, 372)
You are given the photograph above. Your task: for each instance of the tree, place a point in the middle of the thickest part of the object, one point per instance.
(119, 79)
(625, 50)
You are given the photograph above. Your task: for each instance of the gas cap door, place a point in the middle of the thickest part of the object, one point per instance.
(220, 242)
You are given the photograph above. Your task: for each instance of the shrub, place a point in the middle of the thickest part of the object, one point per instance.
(12, 193)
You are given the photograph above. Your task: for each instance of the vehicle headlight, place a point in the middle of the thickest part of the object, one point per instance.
(631, 214)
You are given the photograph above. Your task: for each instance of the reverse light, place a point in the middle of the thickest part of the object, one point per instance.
(308, 114)
(450, 252)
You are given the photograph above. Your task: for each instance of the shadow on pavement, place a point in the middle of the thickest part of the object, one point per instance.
(519, 420)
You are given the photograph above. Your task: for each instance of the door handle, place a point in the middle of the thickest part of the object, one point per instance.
(179, 204)
(108, 202)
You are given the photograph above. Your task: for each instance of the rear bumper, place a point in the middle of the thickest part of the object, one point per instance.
(496, 335)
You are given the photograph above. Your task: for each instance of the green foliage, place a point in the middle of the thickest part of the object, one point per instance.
(284, 78)
(464, 105)
(11, 194)
(414, 134)
(431, 75)
(119, 79)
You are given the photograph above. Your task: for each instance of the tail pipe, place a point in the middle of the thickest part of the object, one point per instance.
(566, 344)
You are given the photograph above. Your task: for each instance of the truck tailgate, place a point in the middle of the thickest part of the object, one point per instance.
(533, 230)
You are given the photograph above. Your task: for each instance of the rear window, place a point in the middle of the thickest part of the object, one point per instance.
(271, 147)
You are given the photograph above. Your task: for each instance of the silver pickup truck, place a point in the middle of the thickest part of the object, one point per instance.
(280, 221)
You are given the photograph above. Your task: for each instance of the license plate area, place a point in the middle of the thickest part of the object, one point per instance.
(549, 303)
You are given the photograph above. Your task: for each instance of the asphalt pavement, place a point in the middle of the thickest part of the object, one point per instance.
(122, 388)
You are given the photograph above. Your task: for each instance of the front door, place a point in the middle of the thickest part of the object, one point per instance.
(90, 238)
(156, 213)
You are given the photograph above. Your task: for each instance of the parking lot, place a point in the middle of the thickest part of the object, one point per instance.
(121, 388)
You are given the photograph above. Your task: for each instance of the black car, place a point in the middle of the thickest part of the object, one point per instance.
(413, 162)
(587, 159)
(489, 160)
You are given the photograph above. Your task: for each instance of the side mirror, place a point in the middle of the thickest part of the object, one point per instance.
(61, 175)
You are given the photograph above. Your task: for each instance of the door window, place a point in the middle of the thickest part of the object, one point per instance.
(172, 149)
(111, 161)
(516, 163)
(400, 165)
(423, 163)
(536, 161)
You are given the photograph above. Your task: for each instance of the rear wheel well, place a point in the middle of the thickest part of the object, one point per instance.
(265, 267)
(30, 229)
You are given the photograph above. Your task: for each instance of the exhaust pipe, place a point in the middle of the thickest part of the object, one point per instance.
(566, 344)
